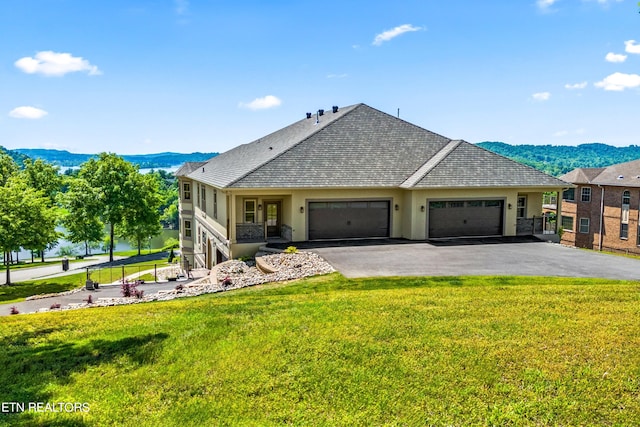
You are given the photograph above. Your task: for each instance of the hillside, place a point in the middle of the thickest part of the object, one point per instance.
(559, 159)
(158, 160)
(330, 351)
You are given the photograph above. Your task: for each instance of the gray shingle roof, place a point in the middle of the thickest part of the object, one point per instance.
(622, 175)
(361, 147)
(188, 167)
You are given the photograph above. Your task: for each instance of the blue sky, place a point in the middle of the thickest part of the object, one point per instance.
(145, 76)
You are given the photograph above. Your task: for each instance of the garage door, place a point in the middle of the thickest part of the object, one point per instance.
(457, 218)
(348, 219)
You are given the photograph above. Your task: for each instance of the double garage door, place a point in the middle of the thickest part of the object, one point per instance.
(458, 218)
(348, 219)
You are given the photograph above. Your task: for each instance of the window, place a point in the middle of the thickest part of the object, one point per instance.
(584, 225)
(250, 211)
(624, 215)
(569, 194)
(198, 195)
(203, 206)
(586, 194)
(456, 204)
(186, 191)
(522, 207)
(187, 229)
(215, 203)
(567, 223)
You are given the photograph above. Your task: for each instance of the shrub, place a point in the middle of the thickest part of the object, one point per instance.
(291, 250)
(171, 256)
(54, 306)
(14, 310)
(89, 299)
(128, 289)
(227, 281)
(138, 293)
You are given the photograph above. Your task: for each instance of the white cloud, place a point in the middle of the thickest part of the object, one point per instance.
(390, 34)
(615, 57)
(268, 101)
(55, 64)
(545, 4)
(619, 82)
(575, 86)
(27, 113)
(541, 96)
(182, 7)
(630, 46)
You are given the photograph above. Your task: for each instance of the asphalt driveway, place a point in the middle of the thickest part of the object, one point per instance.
(505, 256)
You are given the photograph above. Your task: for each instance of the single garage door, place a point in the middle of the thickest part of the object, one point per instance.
(457, 218)
(348, 219)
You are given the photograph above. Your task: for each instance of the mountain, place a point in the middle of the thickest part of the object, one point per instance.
(158, 160)
(559, 159)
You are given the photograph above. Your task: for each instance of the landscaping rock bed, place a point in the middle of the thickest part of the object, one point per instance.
(226, 276)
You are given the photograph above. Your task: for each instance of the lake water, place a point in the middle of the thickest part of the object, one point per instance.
(121, 245)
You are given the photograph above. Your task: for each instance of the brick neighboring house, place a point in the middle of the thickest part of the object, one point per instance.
(602, 211)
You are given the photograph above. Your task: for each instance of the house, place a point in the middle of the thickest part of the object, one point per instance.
(602, 211)
(353, 173)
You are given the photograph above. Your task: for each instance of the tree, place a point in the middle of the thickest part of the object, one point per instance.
(43, 177)
(114, 181)
(25, 214)
(8, 167)
(82, 217)
(142, 218)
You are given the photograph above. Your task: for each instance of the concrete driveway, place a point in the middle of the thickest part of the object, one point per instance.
(500, 256)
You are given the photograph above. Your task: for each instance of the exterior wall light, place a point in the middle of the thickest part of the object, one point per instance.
(509, 206)
(301, 209)
(397, 207)
(422, 208)
(259, 207)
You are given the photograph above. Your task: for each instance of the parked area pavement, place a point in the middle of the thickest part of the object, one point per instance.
(514, 256)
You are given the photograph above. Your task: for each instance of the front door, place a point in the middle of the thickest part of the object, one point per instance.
(273, 218)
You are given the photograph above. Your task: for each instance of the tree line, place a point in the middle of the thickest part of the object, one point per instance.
(106, 192)
(557, 160)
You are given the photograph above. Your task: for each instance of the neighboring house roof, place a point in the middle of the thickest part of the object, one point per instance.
(619, 175)
(361, 147)
(188, 167)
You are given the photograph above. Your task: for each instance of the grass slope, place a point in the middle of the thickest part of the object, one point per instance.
(332, 351)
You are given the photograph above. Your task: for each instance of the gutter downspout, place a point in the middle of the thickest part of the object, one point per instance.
(601, 217)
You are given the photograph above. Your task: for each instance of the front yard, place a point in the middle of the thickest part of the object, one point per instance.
(332, 351)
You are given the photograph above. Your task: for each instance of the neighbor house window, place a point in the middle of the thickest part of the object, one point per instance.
(586, 194)
(567, 223)
(250, 211)
(203, 206)
(522, 207)
(569, 194)
(624, 215)
(584, 225)
(186, 191)
(187, 229)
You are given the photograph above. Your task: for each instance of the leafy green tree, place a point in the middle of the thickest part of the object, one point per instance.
(82, 217)
(43, 176)
(113, 179)
(25, 215)
(8, 167)
(142, 218)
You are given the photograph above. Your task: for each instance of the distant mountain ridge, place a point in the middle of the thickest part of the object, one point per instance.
(155, 160)
(559, 159)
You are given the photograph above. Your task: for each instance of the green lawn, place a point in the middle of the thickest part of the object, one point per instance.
(331, 351)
